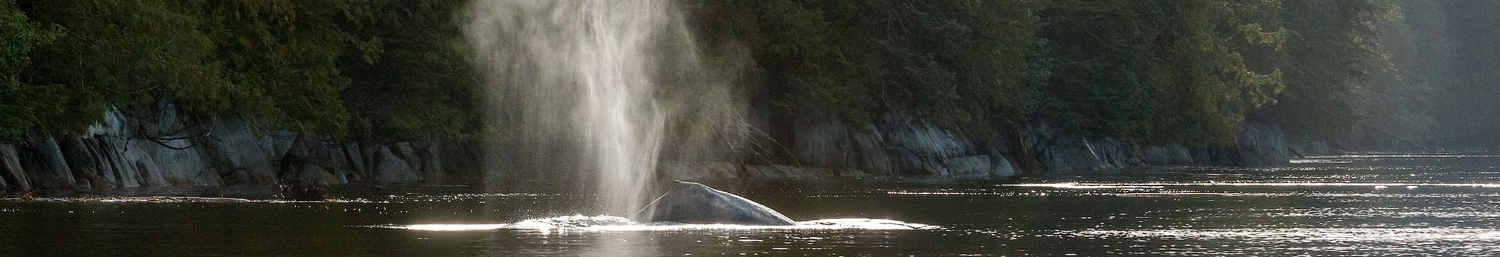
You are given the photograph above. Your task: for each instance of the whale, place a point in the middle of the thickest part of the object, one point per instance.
(693, 203)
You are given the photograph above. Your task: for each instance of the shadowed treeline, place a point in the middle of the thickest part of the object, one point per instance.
(1159, 72)
(371, 70)
(1441, 93)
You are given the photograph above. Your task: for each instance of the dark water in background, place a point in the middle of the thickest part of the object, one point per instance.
(1376, 205)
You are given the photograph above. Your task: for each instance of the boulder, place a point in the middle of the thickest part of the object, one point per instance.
(1058, 152)
(47, 166)
(922, 138)
(1069, 154)
(393, 169)
(409, 154)
(10, 168)
(340, 167)
(250, 159)
(1178, 155)
(821, 141)
(83, 164)
(869, 147)
(104, 160)
(1002, 169)
(355, 160)
(1171, 154)
(151, 173)
(126, 171)
(899, 144)
(977, 165)
(1262, 145)
(187, 166)
(831, 145)
(1119, 153)
(1202, 156)
(916, 147)
(432, 165)
(314, 174)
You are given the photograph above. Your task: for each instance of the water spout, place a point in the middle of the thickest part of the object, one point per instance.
(581, 73)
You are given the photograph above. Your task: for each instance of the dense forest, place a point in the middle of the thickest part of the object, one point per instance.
(1191, 72)
(1441, 93)
(379, 70)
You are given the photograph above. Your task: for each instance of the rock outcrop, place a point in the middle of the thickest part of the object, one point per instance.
(1262, 145)
(125, 152)
(899, 145)
(1060, 152)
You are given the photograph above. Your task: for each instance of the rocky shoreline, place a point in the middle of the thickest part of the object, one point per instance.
(119, 153)
(123, 152)
(900, 146)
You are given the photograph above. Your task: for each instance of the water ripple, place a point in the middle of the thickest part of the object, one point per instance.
(1340, 241)
(606, 223)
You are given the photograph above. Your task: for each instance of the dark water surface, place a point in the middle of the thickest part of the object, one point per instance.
(1372, 205)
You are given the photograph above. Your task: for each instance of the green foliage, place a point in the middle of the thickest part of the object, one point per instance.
(125, 52)
(414, 82)
(1330, 54)
(960, 64)
(365, 69)
(1441, 90)
(1165, 71)
(24, 105)
(1159, 71)
(283, 56)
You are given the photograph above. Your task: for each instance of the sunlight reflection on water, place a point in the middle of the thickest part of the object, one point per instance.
(1155, 185)
(620, 224)
(1461, 241)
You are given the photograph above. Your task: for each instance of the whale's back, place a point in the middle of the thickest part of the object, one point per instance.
(699, 204)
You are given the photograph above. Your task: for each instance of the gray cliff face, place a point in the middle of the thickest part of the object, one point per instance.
(898, 145)
(1168, 155)
(232, 151)
(118, 153)
(1262, 145)
(1060, 152)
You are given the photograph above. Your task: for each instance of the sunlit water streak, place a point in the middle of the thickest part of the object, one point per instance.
(1158, 185)
(1381, 207)
(1386, 241)
(580, 223)
(1400, 155)
(1321, 161)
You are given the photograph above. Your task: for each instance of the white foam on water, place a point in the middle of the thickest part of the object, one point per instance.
(445, 227)
(581, 223)
(1319, 161)
(1088, 186)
